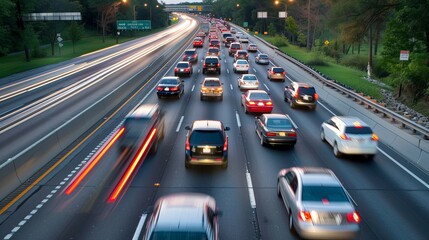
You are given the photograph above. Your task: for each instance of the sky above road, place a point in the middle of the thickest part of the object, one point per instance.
(179, 1)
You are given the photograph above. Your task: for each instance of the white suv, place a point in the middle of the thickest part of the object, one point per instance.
(349, 135)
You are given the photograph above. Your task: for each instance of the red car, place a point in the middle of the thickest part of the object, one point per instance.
(215, 43)
(256, 101)
(198, 42)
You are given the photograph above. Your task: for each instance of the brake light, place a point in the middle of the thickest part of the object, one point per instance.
(225, 144)
(195, 55)
(203, 89)
(218, 64)
(316, 96)
(251, 103)
(374, 137)
(176, 69)
(219, 89)
(292, 134)
(353, 217)
(247, 55)
(344, 137)
(187, 145)
(284, 73)
(247, 66)
(269, 103)
(304, 216)
(271, 134)
(204, 65)
(159, 88)
(174, 88)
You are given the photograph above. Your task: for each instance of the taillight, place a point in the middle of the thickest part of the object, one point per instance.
(225, 144)
(292, 134)
(187, 145)
(204, 65)
(203, 89)
(316, 96)
(344, 137)
(269, 103)
(247, 66)
(271, 134)
(195, 55)
(219, 89)
(284, 73)
(304, 216)
(218, 64)
(176, 69)
(159, 88)
(296, 94)
(247, 55)
(353, 217)
(174, 88)
(374, 137)
(251, 103)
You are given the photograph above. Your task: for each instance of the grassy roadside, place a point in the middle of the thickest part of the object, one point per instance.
(348, 76)
(16, 63)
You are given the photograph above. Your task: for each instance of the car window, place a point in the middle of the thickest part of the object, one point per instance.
(182, 65)
(199, 137)
(214, 42)
(212, 83)
(279, 123)
(358, 130)
(168, 81)
(323, 194)
(241, 62)
(259, 95)
(212, 60)
(235, 45)
(189, 52)
(172, 235)
(249, 77)
(292, 180)
(135, 126)
(307, 90)
(278, 70)
(213, 50)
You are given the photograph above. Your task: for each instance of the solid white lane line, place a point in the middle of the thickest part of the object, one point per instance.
(193, 87)
(238, 119)
(290, 79)
(327, 109)
(267, 87)
(391, 158)
(139, 227)
(251, 193)
(180, 124)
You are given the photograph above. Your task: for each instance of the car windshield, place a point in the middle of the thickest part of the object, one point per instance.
(241, 53)
(235, 46)
(259, 95)
(182, 65)
(211, 60)
(263, 56)
(278, 70)
(279, 123)
(212, 83)
(171, 235)
(134, 127)
(323, 194)
(213, 50)
(189, 52)
(250, 77)
(168, 81)
(358, 130)
(307, 91)
(206, 138)
(241, 62)
(214, 42)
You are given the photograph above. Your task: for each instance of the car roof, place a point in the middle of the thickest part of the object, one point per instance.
(211, 79)
(352, 121)
(178, 64)
(144, 111)
(317, 176)
(182, 212)
(304, 84)
(207, 125)
(275, 115)
(256, 91)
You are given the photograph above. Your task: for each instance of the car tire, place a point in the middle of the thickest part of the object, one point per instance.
(204, 71)
(278, 190)
(313, 108)
(291, 226)
(245, 109)
(187, 165)
(337, 152)
(262, 141)
(268, 77)
(224, 165)
(291, 103)
(322, 135)
(218, 72)
(370, 157)
(154, 147)
(201, 97)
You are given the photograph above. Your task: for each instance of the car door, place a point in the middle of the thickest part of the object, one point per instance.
(259, 125)
(290, 189)
(330, 131)
(289, 91)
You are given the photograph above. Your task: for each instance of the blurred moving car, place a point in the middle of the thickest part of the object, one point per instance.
(349, 135)
(301, 94)
(318, 205)
(227, 41)
(190, 55)
(202, 35)
(211, 88)
(276, 73)
(244, 39)
(262, 58)
(198, 42)
(211, 64)
(170, 86)
(248, 82)
(184, 216)
(275, 129)
(206, 144)
(241, 65)
(144, 125)
(256, 101)
(241, 54)
(213, 51)
(214, 43)
(239, 34)
(183, 68)
(252, 47)
(233, 47)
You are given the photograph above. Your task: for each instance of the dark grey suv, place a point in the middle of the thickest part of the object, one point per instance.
(211, 64)
(206, 144)
(301, 94)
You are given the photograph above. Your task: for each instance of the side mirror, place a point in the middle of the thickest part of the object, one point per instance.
(187, 128)
(226, 128)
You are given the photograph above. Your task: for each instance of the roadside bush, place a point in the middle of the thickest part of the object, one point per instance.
(279, 41)
(379, 70)
(317, 60)
(333, 53)
(38, 52)
(359, 62)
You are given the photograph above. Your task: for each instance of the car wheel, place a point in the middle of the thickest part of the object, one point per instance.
(262, 140)
(201, 97)
(337, 152)
(187, 165)
(278, 190)
(291, 103)
(313, 107)
(268, 77)
(291, 226)
(322, 135)
(218, 72)
(370, 157)
(224, 165)
(154, 147)
(245, 109)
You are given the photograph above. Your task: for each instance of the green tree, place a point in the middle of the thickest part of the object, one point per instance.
(292, 29)
(6, 12)
(75, 31)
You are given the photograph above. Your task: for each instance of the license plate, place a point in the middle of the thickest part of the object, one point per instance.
(182, 70)
(282, 134)
(206, 150)
(278, 74)
(167, 89)
(260, 104)
(306, 97)
(212, 69)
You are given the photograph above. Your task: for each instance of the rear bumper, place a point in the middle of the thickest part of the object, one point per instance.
(206, 160)
(257, 109)
(280, 141)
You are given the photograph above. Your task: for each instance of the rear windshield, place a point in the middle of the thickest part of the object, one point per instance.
(323, 194)
(212, 83)
(211, 60)
(182, 65)
(229, 39)
(168, 81)
(263, 56)
(170, 235)
(134, 127)
(358, 130)
(227, 35)
(278, 70)
(206, 138)
(189, 52)
(241, 53)
(235, 46)
(213, 50)
(214, 42)
(241, 62)
(279, 123)
(259, 95)
(249, 77)
(307, 91)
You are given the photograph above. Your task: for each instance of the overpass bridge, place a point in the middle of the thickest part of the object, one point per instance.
(188, 8)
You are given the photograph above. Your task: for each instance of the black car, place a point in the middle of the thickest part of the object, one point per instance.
(228, 41)
(190, 55)
(301, 94)
(170, 86)
(206, 144)
(275, 129)
(183, 68)
(211, 64)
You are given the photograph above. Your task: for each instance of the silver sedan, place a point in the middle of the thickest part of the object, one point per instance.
(318, 205)
(248, 81)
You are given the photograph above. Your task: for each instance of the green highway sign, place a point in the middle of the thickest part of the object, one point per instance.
(133, 24)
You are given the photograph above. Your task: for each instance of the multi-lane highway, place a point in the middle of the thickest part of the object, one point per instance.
(391, 202)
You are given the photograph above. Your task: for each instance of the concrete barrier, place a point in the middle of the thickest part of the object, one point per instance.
(8, 178)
